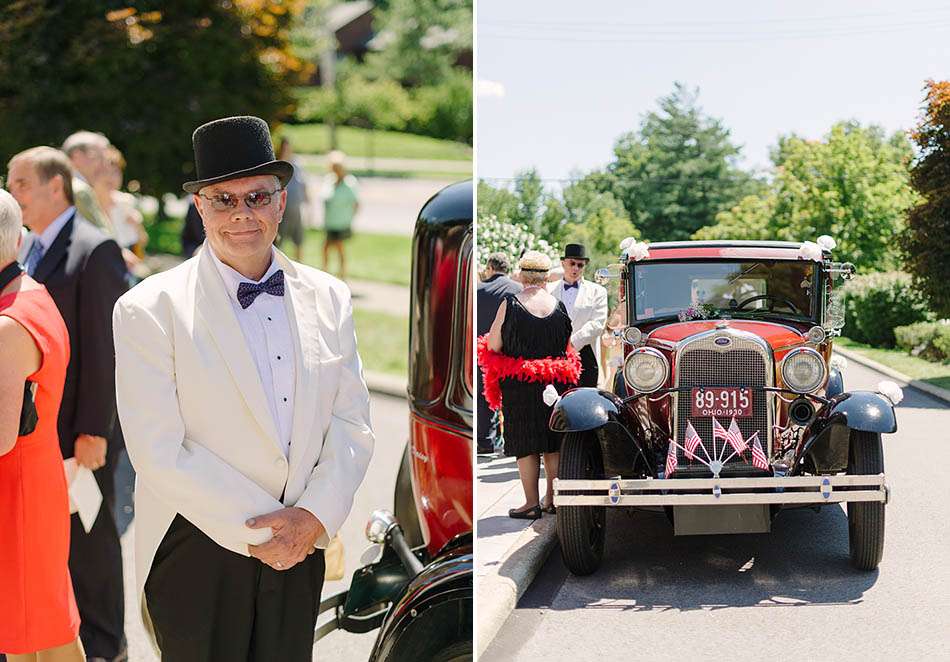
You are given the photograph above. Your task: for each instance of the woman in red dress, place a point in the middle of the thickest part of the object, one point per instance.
(39, 621)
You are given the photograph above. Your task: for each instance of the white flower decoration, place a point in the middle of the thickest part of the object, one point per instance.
(891, 391)
(550, 395)
(810, 251)
(631, 248)
(839, 362)
(827, 243)
(148, 205)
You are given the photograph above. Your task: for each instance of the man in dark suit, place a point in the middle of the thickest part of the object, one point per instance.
(84, 272)
(490, 293)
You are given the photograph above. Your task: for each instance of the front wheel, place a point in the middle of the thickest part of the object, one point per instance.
(581, 529)
(866, 518)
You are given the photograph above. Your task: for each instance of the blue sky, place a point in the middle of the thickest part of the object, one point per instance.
(560, 80)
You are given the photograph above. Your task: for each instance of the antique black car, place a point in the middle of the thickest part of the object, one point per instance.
(728, 407)
(419, 590)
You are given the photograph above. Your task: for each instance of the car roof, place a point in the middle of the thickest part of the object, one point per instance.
(724, 249)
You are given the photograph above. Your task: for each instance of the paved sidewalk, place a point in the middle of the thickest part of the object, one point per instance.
(510, 552)
(381, 297)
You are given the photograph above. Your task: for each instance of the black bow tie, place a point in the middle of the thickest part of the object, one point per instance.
(572, 285)
(247, 292)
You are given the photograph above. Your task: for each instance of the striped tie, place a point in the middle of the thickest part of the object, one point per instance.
(34, 256)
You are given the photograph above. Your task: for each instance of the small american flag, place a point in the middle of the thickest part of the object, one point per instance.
(734, 437)
(671, 461)
(759, 461)
(691, 442)
(719, 432)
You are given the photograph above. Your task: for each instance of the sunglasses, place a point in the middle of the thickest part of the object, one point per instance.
(576, 263)
(254, 200)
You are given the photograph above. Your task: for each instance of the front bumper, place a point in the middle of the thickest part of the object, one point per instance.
(720, 491)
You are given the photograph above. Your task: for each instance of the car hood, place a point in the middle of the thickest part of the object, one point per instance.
(776, 335)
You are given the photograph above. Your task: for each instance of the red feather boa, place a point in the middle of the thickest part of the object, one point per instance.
(496, 366)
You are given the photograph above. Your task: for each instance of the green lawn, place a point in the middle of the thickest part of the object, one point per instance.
(379, 257)
(383, 341)
(937, 374)
(315, 139)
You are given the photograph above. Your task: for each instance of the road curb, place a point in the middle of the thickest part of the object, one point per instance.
(935, 391)
(379, 382)
(499, 590)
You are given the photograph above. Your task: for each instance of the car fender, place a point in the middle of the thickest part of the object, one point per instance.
(583, 409)
(432, 609)
(827, 439)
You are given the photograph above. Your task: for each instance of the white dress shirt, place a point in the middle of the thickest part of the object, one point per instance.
(569, 297)
(267, 333)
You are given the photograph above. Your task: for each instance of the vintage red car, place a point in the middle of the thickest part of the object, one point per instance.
(728, 407)
(419, 592)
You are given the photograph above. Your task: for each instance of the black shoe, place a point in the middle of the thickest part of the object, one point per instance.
(550, 510)
(485, 449)
(530, 513)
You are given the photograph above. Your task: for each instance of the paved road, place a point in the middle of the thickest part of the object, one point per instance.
(390, 418)
(790, 594)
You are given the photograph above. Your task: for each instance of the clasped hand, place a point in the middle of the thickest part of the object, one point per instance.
(296, 531)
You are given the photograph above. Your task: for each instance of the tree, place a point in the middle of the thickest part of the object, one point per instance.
(677, 171)
(925, 240)
(852, 185)
(145, 73)
(422, 39)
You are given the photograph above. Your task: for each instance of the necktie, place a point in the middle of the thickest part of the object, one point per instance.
(247, 292)
(34, 256)
(572, 285)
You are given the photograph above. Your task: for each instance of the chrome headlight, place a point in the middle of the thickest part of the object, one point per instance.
(803, 370)
(632, 335)
(646, 370)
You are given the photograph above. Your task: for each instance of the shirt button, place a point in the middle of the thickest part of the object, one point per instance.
(269, 319)
(285, 399)
(278, 357)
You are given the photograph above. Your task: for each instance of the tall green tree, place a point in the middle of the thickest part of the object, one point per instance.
(926, 241)
(853, 185)
(144, 72)
(678, 170)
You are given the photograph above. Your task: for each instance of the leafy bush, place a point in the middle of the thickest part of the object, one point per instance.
(875, 304)
(927, 340)
(497, 236)
(444, 110)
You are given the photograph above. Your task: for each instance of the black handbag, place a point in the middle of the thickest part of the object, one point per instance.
(28, 415)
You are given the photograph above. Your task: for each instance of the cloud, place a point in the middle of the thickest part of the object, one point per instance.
(491, 88)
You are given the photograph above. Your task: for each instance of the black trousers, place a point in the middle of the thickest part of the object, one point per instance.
(95, 564)
(208, 604)
(589, 370)
(484, 415)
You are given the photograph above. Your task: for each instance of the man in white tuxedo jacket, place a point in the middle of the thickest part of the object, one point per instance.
(246, 417)
(586, 303)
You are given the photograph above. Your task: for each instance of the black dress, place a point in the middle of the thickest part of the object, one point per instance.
(525, 414)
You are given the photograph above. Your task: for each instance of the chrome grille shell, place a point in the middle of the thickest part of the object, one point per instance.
(746, 360)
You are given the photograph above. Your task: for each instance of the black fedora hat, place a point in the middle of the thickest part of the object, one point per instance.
(235, 147)
(575, 252)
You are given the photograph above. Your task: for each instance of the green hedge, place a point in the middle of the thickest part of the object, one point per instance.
(875, 304)
(927, 340)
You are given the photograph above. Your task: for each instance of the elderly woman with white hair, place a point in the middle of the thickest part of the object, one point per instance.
(40, 621)
(527, 349)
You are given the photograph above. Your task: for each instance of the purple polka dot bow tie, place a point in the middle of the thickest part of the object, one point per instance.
(570, 286)
(247, 292)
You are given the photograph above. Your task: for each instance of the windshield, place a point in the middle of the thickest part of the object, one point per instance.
(701, 290)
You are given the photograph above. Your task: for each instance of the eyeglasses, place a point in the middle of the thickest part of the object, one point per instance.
(254, 199)
(576, 263)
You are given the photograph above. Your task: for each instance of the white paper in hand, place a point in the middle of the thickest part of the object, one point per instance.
(84, 495)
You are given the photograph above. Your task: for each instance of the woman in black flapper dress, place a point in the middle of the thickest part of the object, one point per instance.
(528, 349)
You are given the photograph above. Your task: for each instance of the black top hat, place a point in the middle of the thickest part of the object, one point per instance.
(575, 252)
(235, 147)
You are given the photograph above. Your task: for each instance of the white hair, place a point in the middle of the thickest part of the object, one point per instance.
(11, 227)
(84, 140)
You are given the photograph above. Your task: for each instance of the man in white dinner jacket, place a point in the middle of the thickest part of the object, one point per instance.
(586, 303)
(246, 417)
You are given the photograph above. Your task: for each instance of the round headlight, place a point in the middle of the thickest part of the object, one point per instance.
(803, 370)
(646, 370)
(632, 335)
(816, 334)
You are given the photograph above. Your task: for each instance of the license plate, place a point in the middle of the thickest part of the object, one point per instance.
(721, 402)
